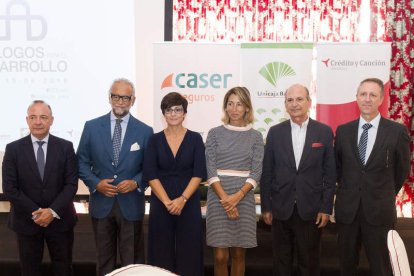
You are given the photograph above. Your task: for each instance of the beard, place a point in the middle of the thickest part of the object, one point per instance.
(120, 111)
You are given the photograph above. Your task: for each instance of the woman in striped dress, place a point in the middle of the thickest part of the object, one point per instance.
(234, 154)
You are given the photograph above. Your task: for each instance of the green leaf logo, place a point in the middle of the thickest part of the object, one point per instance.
(275, 110)
(268, 120)
(274, 71)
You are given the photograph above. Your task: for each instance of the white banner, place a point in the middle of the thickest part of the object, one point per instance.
(340, 69)
(66, 53)
(202, 73)
(267, 70)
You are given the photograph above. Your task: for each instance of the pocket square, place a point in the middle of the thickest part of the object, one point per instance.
(317, 145)
(135, 146)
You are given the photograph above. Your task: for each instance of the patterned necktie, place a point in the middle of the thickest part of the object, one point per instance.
(363, 141)
(116, 141)
(40, 158)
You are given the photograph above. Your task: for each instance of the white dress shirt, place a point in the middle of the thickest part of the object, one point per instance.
(124, 125)
(298, 139)
(44, 147)
(36, 145)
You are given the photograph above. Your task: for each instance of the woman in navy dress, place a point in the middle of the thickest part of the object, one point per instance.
(174, 166)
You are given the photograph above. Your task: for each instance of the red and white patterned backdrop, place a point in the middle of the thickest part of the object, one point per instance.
(313, 21)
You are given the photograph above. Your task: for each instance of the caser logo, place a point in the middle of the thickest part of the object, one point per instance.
(274, 71)
(193, 80)
(30, 20)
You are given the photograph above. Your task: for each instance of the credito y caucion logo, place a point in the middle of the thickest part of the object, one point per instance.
(197, 87)
(348, 64)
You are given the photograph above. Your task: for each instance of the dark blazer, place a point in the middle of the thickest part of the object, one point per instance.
(311, 186)
(96, 159)
(24, 188)
(376, 184)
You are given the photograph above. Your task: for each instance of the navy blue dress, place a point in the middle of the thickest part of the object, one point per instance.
(175, 242)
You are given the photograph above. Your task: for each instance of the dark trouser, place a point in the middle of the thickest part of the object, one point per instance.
(374, 239)
(31, 247)
(296, 235)
(115, 232)
(176, 242)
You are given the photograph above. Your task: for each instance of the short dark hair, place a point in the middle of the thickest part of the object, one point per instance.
(374, 80)
(173, 99)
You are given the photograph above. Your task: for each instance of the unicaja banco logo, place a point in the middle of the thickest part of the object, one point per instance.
(193, 80)
(274, 71)
(8, 19)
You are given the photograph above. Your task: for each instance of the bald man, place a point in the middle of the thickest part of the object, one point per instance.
(297, 185)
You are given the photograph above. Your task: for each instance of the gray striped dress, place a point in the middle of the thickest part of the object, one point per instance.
(233, 149)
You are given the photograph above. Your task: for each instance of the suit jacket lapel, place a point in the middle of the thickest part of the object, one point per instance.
(287, 141)
(105, 134)
(310, 134)
(51, 157)
(128, 139)
(355, 140)
(379, 141)
(30, 155)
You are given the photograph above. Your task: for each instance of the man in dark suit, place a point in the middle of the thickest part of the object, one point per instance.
(40, 178)
(373, 160)
(111, 152)
(297, 185)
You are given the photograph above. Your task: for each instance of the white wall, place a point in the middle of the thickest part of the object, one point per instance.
(149, 24)
(149, 28)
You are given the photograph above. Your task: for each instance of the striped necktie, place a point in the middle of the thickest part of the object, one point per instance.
(363, 141)
(116, 141)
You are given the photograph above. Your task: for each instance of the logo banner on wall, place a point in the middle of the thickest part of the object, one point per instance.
(340, 69)
(202, 73)
(54, 51)
(267, 70)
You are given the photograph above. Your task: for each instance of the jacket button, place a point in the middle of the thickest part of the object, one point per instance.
(115, 176)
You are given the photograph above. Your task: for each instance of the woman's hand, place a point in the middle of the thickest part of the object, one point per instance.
(176, 206)
(230, 202)
(233, 214)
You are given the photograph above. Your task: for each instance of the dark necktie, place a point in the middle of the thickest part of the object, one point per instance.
(116, 141)
(363, 141)
(40, 158)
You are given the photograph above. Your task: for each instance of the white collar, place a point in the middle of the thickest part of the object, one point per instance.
(236, 128)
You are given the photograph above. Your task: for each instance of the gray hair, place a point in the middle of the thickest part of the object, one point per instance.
(39, 102)
(124, 80)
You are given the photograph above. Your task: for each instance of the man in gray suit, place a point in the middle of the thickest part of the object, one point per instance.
(297, 185)
(373, 160)
(111, 154)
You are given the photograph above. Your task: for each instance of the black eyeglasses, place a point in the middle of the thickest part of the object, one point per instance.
(177, 110)
(117, 98)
